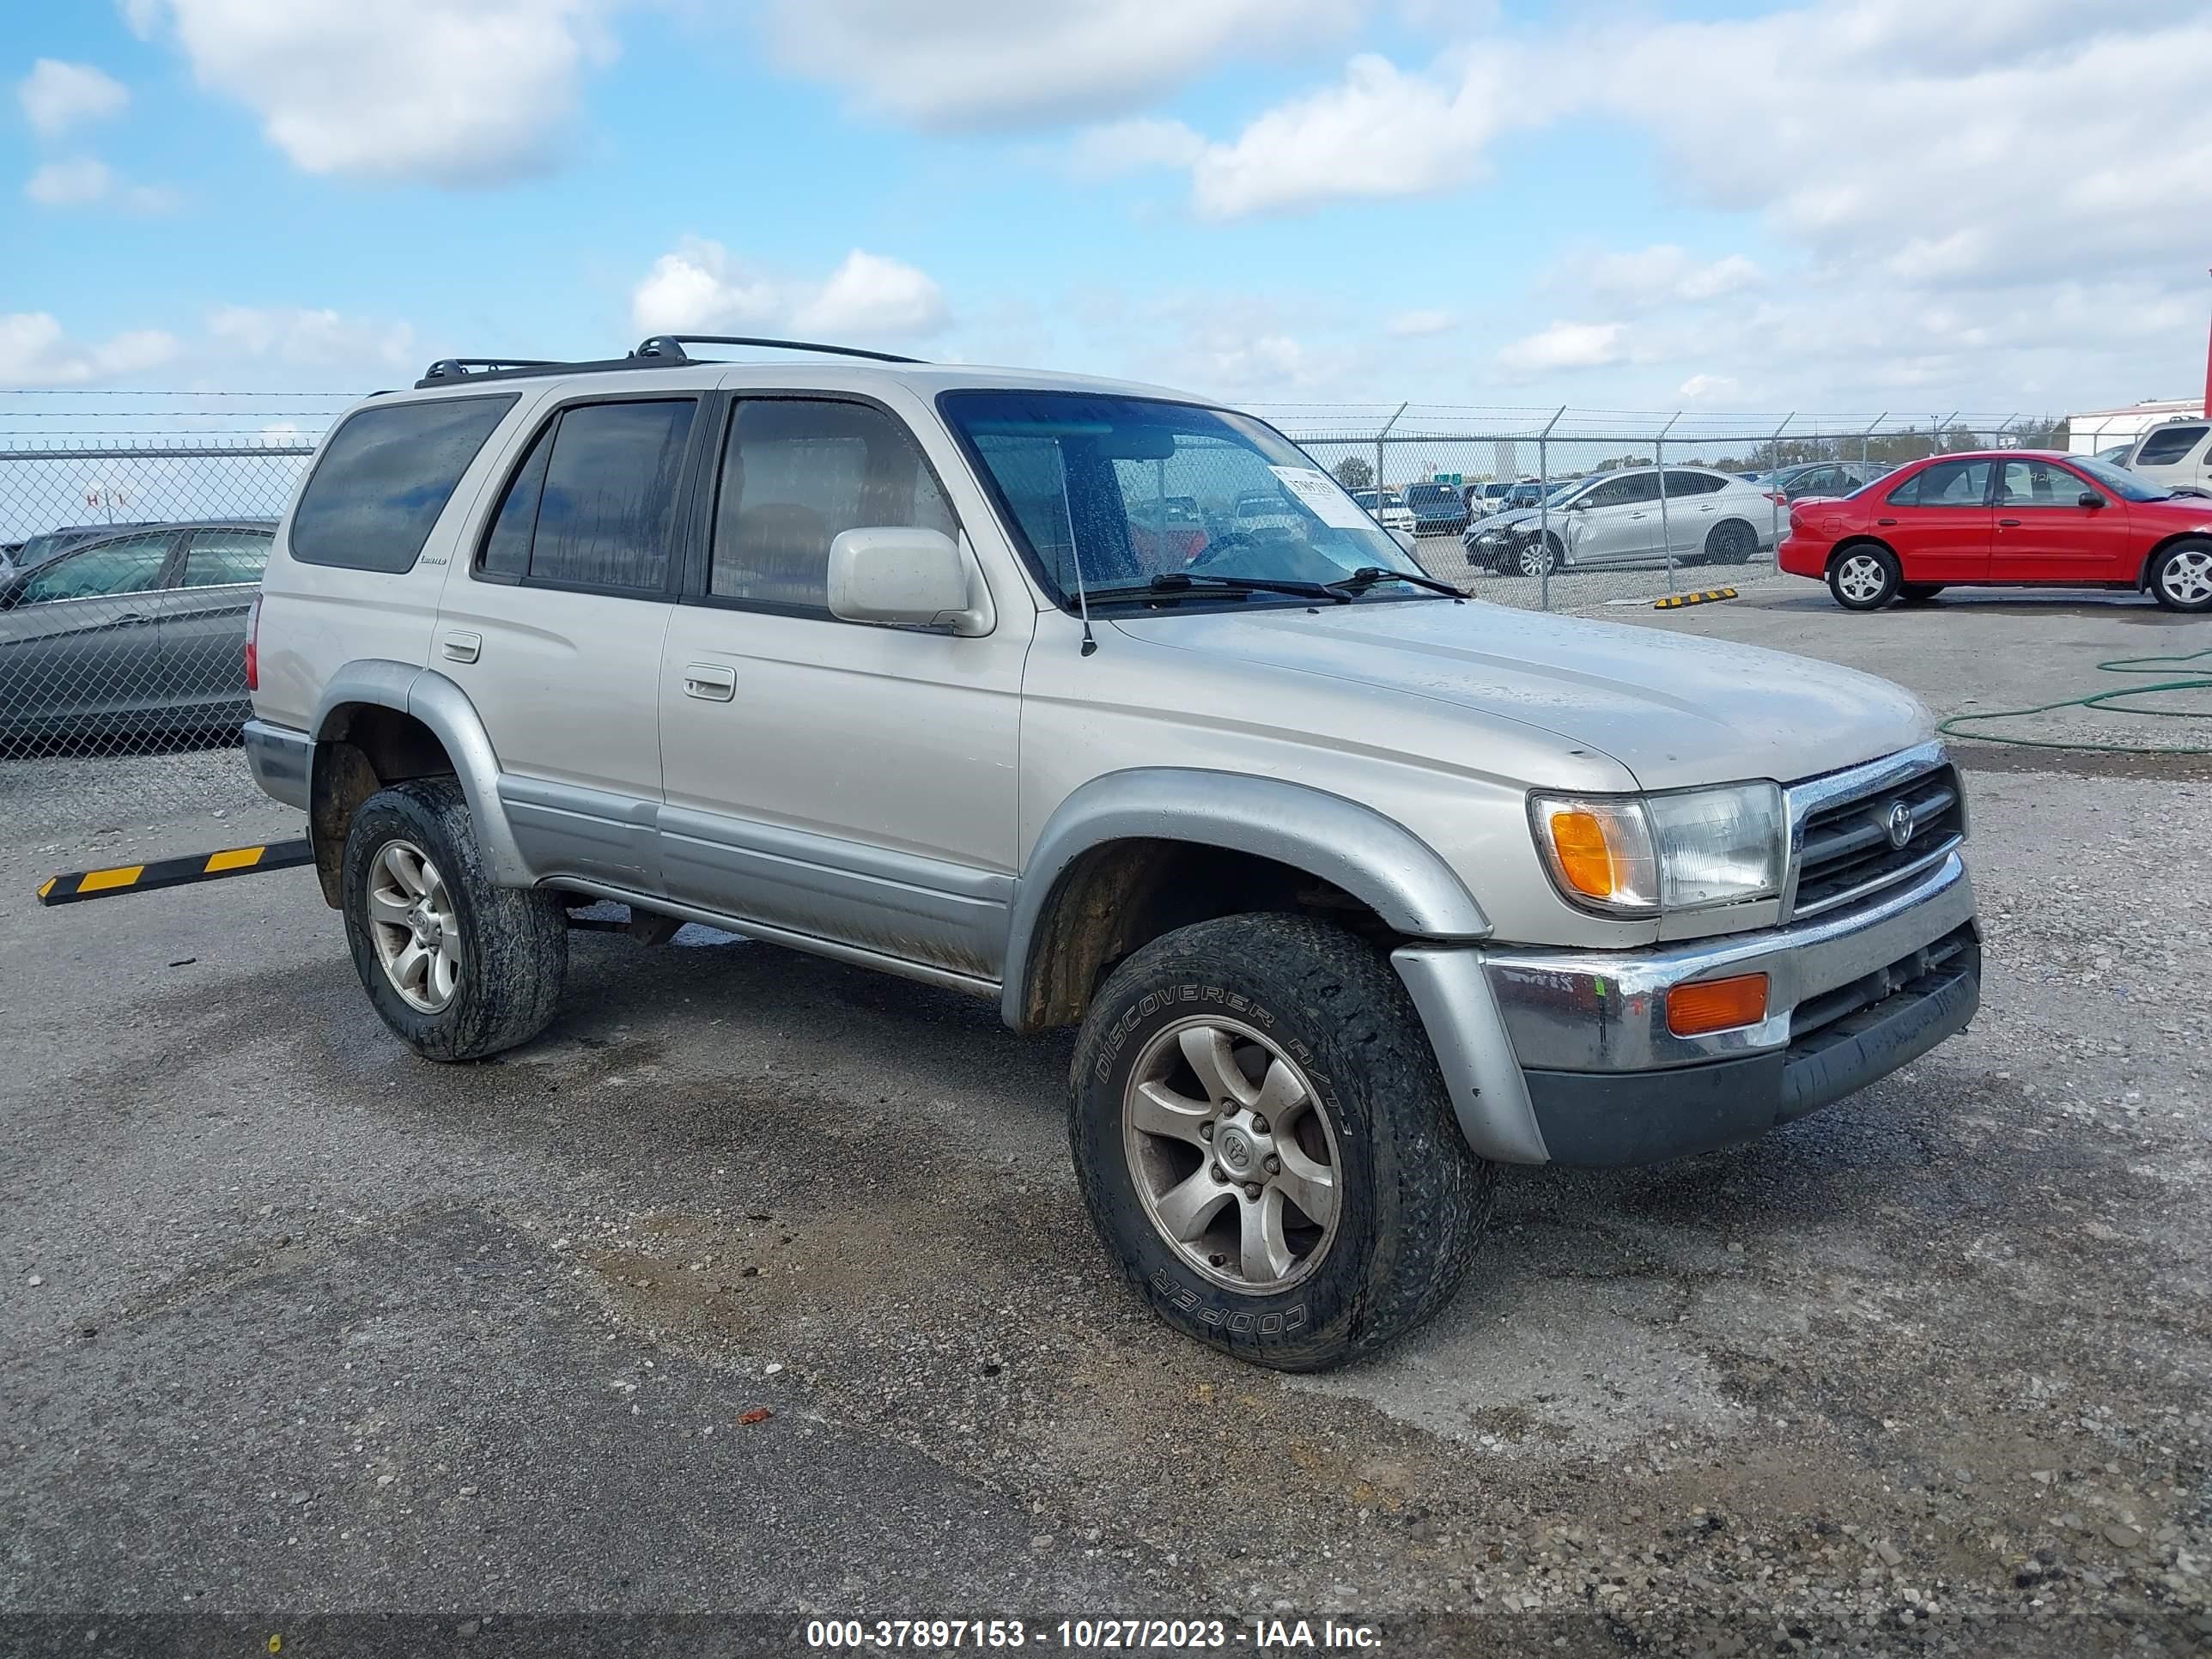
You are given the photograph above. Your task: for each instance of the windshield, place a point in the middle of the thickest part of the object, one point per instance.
(1078, 475)
(2128, 486)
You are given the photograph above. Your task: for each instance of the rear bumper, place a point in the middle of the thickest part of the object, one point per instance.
(1555, 1056)
(281, 760)
(1800, 557)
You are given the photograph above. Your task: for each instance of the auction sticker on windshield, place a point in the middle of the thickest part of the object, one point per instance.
(1322, 498)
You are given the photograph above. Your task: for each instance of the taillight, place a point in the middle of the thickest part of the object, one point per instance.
(1778, 498)
(253, 646)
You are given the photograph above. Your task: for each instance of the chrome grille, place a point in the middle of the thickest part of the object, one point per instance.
(1846, 847)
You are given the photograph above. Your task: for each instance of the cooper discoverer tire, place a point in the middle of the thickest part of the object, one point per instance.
(457, 967)
(1290, 1045)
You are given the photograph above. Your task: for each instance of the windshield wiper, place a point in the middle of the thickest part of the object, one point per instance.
(1177, 582)
(1368, 574)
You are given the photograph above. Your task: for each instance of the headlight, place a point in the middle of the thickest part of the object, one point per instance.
(1643, 854)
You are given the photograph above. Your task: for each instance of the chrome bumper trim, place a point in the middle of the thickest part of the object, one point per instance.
(1607, 1011)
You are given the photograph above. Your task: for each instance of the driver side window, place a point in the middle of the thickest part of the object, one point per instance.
(131, 566)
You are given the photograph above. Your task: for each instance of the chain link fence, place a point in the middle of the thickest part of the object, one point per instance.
(134, 534)
(1700, 505)
(137, 524)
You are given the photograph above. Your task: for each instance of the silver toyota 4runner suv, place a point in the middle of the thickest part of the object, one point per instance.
(1112, 706)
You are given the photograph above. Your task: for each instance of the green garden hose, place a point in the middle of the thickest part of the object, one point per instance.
(2201, 680)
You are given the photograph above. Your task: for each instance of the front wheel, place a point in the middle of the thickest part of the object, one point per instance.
(1865, 578)
(1538, 556)
(1266, 1146)
(2181, 577)
(457, 967)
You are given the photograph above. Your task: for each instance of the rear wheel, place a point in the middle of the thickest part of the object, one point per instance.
(2181, 576)
(1266, 1146)
(1731, 543)
(1919, 592)
(1864, 578)
(457, 967)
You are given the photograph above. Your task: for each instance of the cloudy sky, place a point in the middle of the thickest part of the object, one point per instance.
(1838, 204)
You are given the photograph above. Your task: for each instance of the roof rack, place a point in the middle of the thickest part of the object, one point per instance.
(659, 351)
(672, 345)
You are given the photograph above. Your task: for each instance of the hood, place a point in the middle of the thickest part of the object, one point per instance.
(1505, 520)
(1675, 709)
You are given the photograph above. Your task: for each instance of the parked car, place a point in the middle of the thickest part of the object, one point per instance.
(1387, 508)
(2177, 455)
(1354, 889)
(1614, 517)
(2116, 454)
(1485, 499)
(1437, 509)
(1530, 492)
(142, 631)
(2005, 517)
(1792, 484)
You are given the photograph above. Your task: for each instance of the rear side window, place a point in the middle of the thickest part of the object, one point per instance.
(384, 477)
(1692, 483)
(1947, 483)
(593, 503)
(226, 558)
(2168, 444)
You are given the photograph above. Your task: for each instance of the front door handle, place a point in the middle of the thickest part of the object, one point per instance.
(1885, 521)
(2007, 524)
(710, 682)
(129, 617)
(460, 645)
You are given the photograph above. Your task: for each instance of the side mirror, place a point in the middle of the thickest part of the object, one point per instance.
(903, 576)
(2088, 498)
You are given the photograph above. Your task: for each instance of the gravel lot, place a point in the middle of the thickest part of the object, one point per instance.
(291, 1322)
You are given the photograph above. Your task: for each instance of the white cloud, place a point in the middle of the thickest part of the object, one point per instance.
(453, 92)
(1563, 346)
(1664, 272)
(58, 96)
(969, 63)
(87, 181)
(35, 351)
(701, 285)
(1132, 145)
(1412, 325)
(1379, 132)
(306, 338)
(872, 297)
(1702, 388)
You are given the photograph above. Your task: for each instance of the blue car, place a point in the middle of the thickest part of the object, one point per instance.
(1439, 509)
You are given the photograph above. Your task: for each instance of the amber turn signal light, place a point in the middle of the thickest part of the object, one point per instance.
(1716, 1005)
(1584, 857)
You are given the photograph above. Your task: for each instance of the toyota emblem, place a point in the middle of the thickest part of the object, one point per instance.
(1900, 825)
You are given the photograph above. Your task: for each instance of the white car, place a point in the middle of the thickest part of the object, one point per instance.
(2177, 455)
(1616, 517)
(1388, 509)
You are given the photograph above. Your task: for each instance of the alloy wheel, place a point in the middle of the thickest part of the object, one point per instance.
(414, 926)
(1232, 1155)
(2187, 577)
(1862, 578)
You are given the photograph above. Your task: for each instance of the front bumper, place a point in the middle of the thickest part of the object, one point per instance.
(1565, 1057)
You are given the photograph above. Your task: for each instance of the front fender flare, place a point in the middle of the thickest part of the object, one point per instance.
(1375, 859)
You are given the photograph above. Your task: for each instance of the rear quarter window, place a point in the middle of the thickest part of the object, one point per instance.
(383, 479)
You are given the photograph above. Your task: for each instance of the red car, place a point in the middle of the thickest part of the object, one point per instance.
(2011, 517)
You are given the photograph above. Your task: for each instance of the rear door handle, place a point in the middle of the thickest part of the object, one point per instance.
(710, 682)
(131, 617)
(461, 646)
